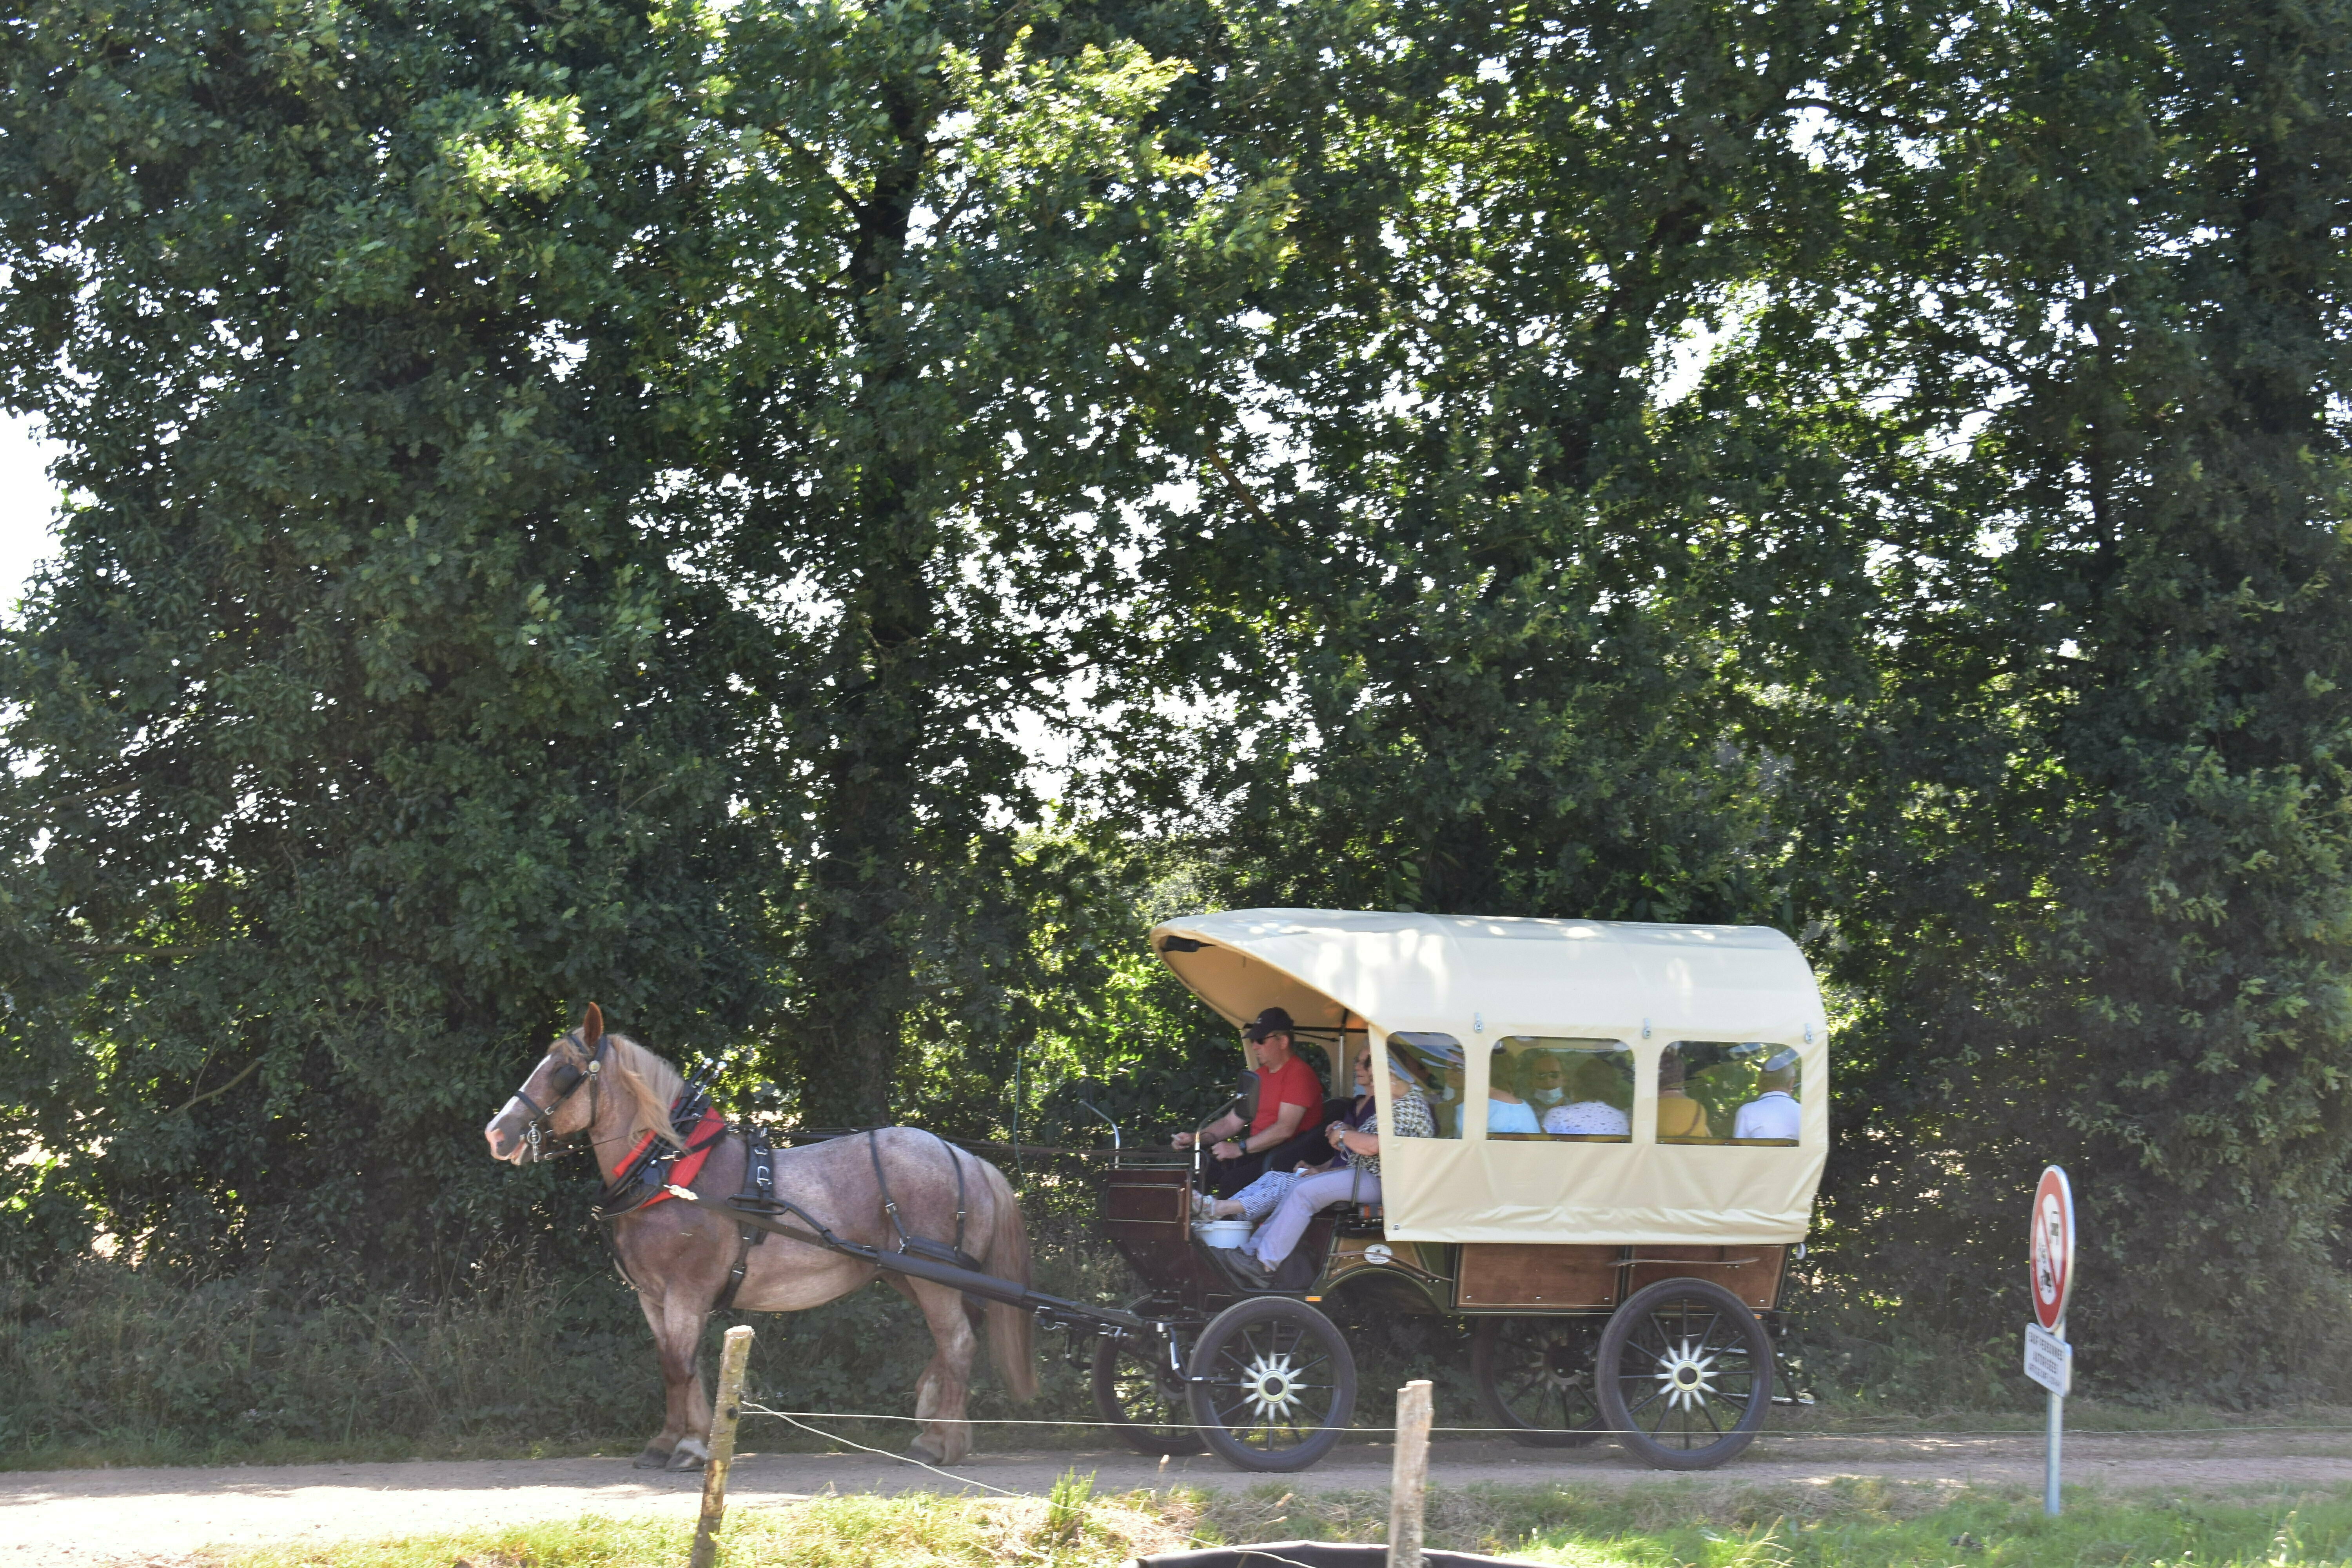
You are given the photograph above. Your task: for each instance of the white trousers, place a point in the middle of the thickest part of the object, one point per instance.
(1277, 1235)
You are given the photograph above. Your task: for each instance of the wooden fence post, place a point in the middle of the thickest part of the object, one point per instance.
(723, 1416)
(1409, 1480)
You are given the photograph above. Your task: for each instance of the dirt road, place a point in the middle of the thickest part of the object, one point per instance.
(162, 1515)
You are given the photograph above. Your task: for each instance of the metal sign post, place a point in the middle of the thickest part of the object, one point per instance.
(2049, 1359)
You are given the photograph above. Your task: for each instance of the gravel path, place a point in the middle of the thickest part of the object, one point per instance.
(162, 1516)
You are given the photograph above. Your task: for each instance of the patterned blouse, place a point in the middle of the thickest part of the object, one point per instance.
(1411, 1114)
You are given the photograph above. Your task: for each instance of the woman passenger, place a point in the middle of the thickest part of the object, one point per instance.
(1593, 1112)
(1679, 1116)
(1505, 1112)
(1356, 1178)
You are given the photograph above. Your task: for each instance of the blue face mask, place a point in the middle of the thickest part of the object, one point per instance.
(1546, 1096)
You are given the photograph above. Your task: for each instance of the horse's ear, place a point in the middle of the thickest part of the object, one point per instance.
(592, 1024)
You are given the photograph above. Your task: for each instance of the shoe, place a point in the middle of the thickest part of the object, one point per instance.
(1253, 1273)
(1203, 1206)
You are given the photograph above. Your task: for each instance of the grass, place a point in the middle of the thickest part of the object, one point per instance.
(1855, 1524)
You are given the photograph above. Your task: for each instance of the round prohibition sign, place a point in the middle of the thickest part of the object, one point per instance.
(2053, 1247)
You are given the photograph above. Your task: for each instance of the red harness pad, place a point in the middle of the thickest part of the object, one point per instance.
(698, 1143)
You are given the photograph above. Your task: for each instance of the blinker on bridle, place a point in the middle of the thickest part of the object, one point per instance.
(539, 1131)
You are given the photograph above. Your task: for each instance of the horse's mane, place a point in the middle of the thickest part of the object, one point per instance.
(651, 1085)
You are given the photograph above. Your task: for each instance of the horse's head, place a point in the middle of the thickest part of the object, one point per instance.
(549, 1106)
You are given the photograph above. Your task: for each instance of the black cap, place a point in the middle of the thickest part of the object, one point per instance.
(1273, 1021)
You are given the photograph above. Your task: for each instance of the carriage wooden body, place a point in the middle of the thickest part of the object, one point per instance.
(1626, 1283)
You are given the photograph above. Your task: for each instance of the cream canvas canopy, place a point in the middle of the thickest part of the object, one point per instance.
(1481, 980)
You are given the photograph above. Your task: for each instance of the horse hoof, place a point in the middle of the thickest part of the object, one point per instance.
(923, 1453)
(689, 1455)
(653, 1459)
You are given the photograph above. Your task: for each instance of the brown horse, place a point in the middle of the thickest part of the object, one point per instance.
(614, 1091)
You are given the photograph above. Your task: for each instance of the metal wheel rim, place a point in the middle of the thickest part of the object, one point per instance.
(1273, 1385)
(1687, 1373)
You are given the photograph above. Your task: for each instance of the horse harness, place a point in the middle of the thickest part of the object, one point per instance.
(641, 1179)
(923, 1245)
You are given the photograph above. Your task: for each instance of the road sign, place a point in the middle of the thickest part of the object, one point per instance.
(2049, 1360)
(2053, 1247)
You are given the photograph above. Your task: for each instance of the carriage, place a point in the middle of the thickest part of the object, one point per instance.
(1621, 1267)
(1623, 1281)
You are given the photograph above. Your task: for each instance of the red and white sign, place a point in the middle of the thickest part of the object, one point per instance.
(2053, 1247)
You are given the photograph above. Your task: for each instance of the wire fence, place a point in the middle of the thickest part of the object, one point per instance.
(2034, 1432)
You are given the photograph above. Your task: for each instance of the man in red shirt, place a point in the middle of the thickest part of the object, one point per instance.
(1288, 1094)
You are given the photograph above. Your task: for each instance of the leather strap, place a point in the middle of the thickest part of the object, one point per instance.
(759, 1182)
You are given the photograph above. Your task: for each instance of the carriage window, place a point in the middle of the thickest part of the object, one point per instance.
(1561, 1091)
(1728, 1091)
(1434, 1065)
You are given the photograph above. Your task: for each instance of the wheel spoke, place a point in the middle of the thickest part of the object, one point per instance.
(1654, 1395)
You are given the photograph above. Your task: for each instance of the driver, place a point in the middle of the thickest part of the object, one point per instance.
(1288, 1093)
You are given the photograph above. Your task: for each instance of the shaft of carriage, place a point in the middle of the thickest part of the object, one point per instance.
(1053, 1309)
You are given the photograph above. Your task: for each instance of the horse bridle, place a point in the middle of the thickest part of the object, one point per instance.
(538, 1132)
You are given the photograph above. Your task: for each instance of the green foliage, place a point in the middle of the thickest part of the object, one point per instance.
(1461, 606)
(365, 717)
(595, 500)
(101, 1358)
(2086, 861)
(953, 230)
(101, 1361)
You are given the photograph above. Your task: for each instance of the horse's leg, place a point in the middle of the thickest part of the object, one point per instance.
(689, 1407)
(657, 1453)
(944, 1436)
(686, 1410)
(686, 1414)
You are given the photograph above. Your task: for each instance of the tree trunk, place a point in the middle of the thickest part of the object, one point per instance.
(854, 961)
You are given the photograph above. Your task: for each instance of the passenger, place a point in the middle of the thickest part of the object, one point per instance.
(1543, 1081)
(1288, 1093)
(1774, 1112)
(1359, 1180)
(1592, 1113)
(1505, 1112)
(1252, 1202)
(1256, 1201)
(1679, 1116)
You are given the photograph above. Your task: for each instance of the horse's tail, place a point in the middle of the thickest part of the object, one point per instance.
(1012, 1333)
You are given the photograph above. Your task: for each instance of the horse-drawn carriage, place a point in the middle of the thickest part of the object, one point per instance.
(1620, 1262)
(1622, 1280)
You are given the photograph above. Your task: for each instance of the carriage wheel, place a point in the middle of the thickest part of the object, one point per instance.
(1272, 1384)
(1143, 1398)
(1686, 1374)
(1535, 1379)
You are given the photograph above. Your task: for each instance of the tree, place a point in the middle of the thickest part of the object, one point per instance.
(2088, 847)
(1466, 627)
(366, 724)
(956, 230)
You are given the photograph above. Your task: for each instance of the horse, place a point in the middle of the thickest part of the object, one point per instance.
(679, 1257)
